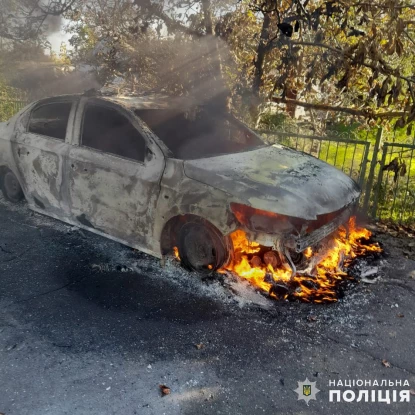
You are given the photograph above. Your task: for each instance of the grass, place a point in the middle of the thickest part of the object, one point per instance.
(397, 192)
(9, 108)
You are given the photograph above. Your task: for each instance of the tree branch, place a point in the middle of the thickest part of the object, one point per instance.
(57, 12)
(171, 24)
(367, 113)
(386, 70)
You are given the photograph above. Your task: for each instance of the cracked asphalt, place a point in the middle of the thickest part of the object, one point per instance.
(88, 326)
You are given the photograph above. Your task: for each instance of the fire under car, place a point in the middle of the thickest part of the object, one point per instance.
(163, 177)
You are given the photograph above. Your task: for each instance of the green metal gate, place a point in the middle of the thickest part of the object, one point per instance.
(394, 194)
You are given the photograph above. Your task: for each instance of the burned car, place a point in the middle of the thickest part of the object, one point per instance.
(160, 177)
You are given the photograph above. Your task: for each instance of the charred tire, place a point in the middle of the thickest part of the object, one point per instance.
(202, 247)
(10, 187)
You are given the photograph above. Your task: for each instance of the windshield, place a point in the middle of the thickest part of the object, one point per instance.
(199, 133)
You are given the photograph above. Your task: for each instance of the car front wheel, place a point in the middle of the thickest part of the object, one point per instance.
(202, 247)
(11, 188)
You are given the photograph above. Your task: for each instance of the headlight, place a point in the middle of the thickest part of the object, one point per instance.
(258, 220)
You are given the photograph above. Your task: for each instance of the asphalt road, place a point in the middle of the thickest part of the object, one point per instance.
(88, 326)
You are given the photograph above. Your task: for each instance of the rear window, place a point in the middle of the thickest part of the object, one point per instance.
(199, 133)
(50, 120)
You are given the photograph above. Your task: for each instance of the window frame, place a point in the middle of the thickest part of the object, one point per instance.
(117, 108)
(168, 153)
(67, 100)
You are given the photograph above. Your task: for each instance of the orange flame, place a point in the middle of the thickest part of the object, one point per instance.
(313, 285)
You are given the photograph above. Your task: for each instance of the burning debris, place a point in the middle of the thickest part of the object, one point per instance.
(318, 275)
(321, 272)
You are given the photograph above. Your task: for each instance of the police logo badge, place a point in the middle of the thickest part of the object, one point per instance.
(307, 390)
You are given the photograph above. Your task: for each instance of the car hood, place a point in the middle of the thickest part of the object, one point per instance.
(277, 179)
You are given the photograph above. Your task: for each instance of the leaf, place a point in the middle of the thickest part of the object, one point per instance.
(383, 91)
(331, 71)
(359, 57)
(392, 166)
(199, 346)
(391, 46)
(402, 169)
(390, 100)
(411, 116)
(165, 390)
(344, 81)
(374, 51)
(399, 47)
(396, 90)
(385, 363)
(285, 28)
(375, 90)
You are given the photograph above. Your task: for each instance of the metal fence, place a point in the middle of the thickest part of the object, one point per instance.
(394, 193)
(348, 155)
(387, 183)
(10, 107)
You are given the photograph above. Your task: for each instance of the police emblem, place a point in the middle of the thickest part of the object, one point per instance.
(307, 390)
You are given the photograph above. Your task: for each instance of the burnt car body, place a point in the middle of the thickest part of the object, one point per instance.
(156, 176)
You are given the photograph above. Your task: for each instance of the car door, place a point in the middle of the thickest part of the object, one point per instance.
(114, 173)
(40, 152)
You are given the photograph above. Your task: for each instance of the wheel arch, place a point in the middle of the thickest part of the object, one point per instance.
(5, 168)
(170, 232)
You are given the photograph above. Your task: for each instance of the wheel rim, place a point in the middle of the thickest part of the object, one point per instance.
(11, 185)
(202, 250)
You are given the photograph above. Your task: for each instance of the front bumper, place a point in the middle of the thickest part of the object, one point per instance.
(300, 243)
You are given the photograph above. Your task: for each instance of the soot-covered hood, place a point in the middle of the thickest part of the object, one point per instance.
(277, 179)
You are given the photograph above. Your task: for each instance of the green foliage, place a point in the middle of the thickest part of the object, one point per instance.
(11, 101)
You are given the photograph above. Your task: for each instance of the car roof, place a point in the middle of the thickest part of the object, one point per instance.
(141, 102)
(138, 102)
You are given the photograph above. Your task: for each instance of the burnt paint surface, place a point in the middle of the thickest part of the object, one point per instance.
(181, 195)
(279, 180)
(116, 196)
(131, 202)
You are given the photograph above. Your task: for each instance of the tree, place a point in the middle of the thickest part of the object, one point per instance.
(349, 56)
(149, 46)
(23, 20)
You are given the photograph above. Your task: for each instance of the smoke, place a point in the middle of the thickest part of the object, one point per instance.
(48, 80)
(174, 67)
(53, 24)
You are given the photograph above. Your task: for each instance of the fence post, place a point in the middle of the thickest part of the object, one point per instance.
(379, 183)
(369, 183)
(365, 160)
